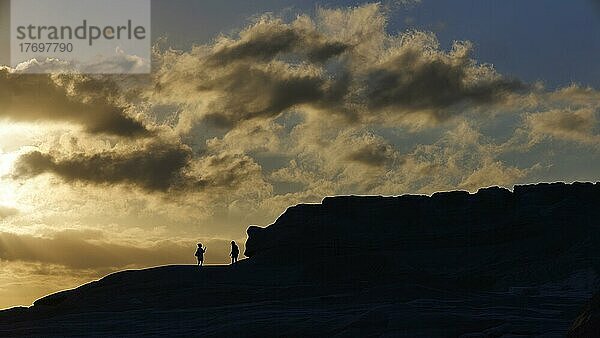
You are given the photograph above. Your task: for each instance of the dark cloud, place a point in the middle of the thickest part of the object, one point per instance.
(567, 124)
(375, 155)
(227, 170)
(259, 92)
(326, 51)
(67, 98)
(268, 68)
(155, 168)
(571, 122)
(269, 38)
(414, 81)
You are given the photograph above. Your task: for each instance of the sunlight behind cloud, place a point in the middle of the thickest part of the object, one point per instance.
(7, 186)
(14, 135)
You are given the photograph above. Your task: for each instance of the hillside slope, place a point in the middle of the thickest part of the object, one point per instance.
(454, 264)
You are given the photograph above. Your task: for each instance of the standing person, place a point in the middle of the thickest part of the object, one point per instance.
(235, 252)
(200, 254)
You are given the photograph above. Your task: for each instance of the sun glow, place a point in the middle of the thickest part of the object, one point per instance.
(16, 139)
(8, 188)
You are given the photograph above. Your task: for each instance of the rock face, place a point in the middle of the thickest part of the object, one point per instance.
(492, 240)
(587, 323)
(495, 263)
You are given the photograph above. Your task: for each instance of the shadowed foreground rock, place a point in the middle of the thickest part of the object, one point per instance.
(587, 323)
(494, 263)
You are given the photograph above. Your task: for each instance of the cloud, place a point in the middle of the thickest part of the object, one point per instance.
(156, 167)
(464, 158)
(242, 91)
(270, 37)
(226, 169)
(371, 150)
(372, 155)
(269, 68)
(340, 63)
(118, 63)
(325, 160)
(494, 173)
(408, 2)
(263, 92)
(332, 161)
(565, 124)
(78, 99)
(574, 96)
(7, 212)
(418, 78)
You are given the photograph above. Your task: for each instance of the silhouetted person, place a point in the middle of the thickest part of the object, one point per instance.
(235, 252)
(200, 254)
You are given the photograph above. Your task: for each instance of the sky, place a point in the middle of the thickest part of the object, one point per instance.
(253, 106)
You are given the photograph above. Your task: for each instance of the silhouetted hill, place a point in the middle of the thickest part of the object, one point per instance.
(488, 240)
(492, 263)
(587, 323)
